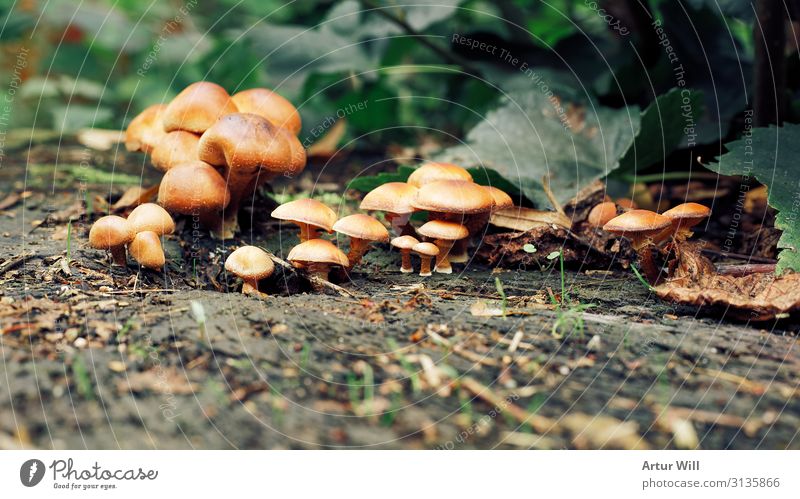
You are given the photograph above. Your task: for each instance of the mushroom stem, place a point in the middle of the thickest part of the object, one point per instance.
(250, 287)
(119, 255)
(320, 271)
(442, 261)
(308, 232)
(425, 265)
(649, 268)
(405, 261)
(458, 254)
(215, 224)
(358, 248)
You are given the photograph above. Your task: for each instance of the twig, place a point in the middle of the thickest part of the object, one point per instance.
(311, 279)
(540, 424)
(550, 196)
(15, 261)
(746, 269)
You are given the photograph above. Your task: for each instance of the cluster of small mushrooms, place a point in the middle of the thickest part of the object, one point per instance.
(648, 231)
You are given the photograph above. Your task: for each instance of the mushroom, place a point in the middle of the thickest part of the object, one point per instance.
(253, 151)
(502, 200)
(433, 171)
(250, 264)
(627, 204)
(175, 148)
(456, 200)
(393, 198)
(444, 234)
(196, 189)
(684, 217)
(426, 252)
(308, 214)
(145, 130)
(317, 256)
(602, 213)
(151, 217)
(197, 107)
(645, 229)
(362, 229)
(405, 244)
(268, 104)
(112, 233)
(146, 249)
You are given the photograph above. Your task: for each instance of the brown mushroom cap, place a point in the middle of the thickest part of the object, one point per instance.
(248, 142)
(146, 249)
(193, 187)
(197, 107)
(110, 232)
(317, 251)
(404, 242)
(501, 199)
(425, 249)
(175, 148)
(362, 226)
(151, 217)
(433, 171)
(638, 224)
(453, 196)
(446, 231)
(269, 105)
(602, 213)
(393, 197)
(307, 211)
(250, 262)
(688, 214)
(145, 130)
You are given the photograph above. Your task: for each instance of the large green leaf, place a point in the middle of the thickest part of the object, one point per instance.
(770, 156)
(526, 139)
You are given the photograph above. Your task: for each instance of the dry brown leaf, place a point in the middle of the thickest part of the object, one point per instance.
(328, 145)
(100, 139)
(163, 380)
(135, 196)
(603, 432)
(481, 309)
(525, 219)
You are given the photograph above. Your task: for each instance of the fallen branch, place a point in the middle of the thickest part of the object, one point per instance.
(15, 261)
(540, 424)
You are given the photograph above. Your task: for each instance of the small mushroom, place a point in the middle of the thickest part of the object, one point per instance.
(198, 190)
(405, 244)
(308, 214)
(684, 217)
(253, 151)
(151, 217)
(433, 171)
(394, 199)
(250, 264)
(644, 229)
(268, 104)
(444, 235)
(426, 252)
(175, 148)
(146, 130)
(459, 201)
(627, 204)
(602, 213)
(317, 256)
(363, 230)
(146, 249)
(197, 107)
(501, 200)
(112, 233)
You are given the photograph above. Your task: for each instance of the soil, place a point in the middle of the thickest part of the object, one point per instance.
(96, 356)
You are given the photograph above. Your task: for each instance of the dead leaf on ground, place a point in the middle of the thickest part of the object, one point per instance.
(100, 139)
(135, 196)
(163, 380)
(524, 219)
(328, 145)
(603, 432)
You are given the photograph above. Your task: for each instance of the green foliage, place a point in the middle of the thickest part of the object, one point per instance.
(368, 182)
(770, 156)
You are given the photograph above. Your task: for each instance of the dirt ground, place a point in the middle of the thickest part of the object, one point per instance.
(102, 357)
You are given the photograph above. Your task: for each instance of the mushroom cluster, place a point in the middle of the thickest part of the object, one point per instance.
(216, 149)
(141, 233)
(650, 232)
(457, 208)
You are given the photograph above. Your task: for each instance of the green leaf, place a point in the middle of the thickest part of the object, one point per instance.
(665, 123)
(770, 156)
(369, 182)
(487, 176)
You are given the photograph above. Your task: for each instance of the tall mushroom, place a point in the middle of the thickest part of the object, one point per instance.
(457, 201)
(197, 107)
(433, 171)
(269, 105)
(405, 244)
(317, 256)
(644, 229)
(684, 217)
(250, 264)
(395, 200)
(146, 130)
(112, 233)
(253, 151)
(444, 234)
(308, 214)
(147, 250)
(426, 252)
(175, 148)
(363, 230)
(198, 190)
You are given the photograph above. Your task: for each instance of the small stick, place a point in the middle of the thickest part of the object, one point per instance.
(540, 424)
(746, 269)
(550, 196)
(316, 281)
(15, 261)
